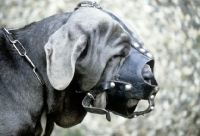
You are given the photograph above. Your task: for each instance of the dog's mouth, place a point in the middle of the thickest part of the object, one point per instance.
(147, 75)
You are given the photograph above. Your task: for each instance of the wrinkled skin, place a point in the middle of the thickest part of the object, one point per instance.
(71, 52)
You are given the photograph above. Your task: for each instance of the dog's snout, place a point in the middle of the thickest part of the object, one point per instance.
(147, 73)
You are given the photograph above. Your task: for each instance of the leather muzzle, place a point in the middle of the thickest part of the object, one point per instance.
(127, 84)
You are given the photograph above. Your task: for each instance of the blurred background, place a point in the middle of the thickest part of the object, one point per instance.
(170, 30)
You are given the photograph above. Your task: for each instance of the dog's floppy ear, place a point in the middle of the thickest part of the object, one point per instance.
(62, 50)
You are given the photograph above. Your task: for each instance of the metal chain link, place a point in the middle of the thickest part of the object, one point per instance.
(23, 54)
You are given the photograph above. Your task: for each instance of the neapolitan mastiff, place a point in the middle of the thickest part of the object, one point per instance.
(86, 60)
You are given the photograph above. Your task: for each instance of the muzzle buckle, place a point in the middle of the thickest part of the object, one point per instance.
(91, 96)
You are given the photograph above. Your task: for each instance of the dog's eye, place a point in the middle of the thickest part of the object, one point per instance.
(122, 54)
(116, 56)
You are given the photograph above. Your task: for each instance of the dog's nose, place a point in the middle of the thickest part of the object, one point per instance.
(147, 73)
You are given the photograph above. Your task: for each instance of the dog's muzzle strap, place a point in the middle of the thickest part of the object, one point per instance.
(91, 97)
(86, 104)
(99, 89)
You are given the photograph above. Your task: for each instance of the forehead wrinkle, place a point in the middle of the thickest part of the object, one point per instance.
(111, 27)
(117, 35)
(99, 39)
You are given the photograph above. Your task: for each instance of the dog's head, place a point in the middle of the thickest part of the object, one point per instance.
(107, 59)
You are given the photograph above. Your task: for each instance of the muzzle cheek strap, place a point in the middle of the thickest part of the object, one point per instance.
(87, 102)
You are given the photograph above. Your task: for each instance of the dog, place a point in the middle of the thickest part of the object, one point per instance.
(44, 66)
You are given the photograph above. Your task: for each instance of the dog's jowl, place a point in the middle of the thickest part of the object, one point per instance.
(69, 64)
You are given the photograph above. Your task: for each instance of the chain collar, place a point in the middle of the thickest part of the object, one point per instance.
(88, 4)
(22, 53)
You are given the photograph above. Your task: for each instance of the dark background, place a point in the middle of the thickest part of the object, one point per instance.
(170, 30)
